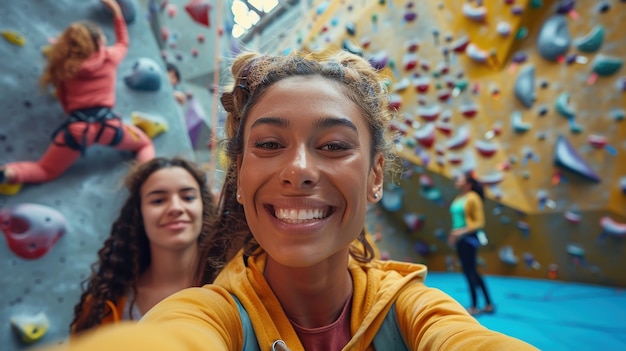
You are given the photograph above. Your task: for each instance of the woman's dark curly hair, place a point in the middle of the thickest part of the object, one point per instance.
(254, 75)
(126, 253)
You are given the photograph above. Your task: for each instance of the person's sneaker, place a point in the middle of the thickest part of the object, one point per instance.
(473, 311)
(489, 309)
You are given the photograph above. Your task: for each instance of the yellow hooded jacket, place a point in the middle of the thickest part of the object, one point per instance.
(207, 318)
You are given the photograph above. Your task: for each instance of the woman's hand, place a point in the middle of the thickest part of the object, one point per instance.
(455, 235)
(114, 6)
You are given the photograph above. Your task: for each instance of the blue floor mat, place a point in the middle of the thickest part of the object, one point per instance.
(550, 315)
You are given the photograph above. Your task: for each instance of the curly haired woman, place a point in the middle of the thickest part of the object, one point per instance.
(82, 69)
(153, 248)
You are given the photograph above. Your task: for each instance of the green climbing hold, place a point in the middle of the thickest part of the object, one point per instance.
(592, 41)
(562, 106)
(522, 33)
(606, 65)
(461, 84)
(535, 4)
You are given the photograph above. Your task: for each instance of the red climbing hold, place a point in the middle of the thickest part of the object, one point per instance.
(199, 10)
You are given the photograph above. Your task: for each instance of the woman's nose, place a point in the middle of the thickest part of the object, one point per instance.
(300, 169)
(175, 205)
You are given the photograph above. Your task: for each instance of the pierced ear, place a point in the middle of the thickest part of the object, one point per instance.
(376, 178)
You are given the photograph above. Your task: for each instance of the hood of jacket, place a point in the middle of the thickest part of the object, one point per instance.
(375, 288)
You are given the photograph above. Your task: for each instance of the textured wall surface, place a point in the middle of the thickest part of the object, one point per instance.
(89, 193)
(496, 87)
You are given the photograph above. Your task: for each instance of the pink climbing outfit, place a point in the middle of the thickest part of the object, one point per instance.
(88, 97)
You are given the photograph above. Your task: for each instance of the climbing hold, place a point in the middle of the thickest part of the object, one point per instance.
(171, 10)
(199, 10)
(422, 84)
(563, 107)
(612, 228)
(524, 227)
(597, 141)
(350, 47)
(401, 85)
(412, 45)
(145, 76)
(379, 60)
(575, 250)
(477, 54)
(413, 221)
(128, 10)
(13, 37)
(152, 125)
(444, 127)
(31, 230)
(554, 38)
(322, 7)
(454, 158)
(351, 28)
(10, 188)
(429, 113)
(409, 61)
(410, 16)
(30, 328)
(572, 216)
(474, 13)
(567, 157)
(469, 109)
(425, 135)
(392, 198)
(606, 65)
(486, 148)
(492, 178)
(459, 140)
(507, 256)
(592, 41)
(517, 10)
(529, 260)
(395, 102)
(525, 86)
(460, 45)
(504, 29)
(422, 248)
(517, 124)
(617, 114)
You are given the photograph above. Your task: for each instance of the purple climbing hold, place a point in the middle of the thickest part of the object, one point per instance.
(554, 39)
(519, 57)
(410, 16)
(379, 60)
(567, 157)
(422, 248)
(565, 6)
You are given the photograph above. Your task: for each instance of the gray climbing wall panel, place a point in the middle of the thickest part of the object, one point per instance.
(89, 194)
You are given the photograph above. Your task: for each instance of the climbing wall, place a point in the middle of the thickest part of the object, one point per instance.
(51, 231)
(527, 93)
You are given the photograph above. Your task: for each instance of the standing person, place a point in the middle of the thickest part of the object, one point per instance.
(152, 251)
(307, 150)
(173, 74)
(467, 219)
(82, 69)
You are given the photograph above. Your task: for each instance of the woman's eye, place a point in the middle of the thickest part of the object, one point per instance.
(189, 198)
(156, 201)
(335, 147)
(267, 144)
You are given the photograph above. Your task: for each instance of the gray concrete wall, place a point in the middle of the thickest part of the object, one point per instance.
(88, 194)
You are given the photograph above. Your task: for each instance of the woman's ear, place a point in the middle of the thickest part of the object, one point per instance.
(376, 178)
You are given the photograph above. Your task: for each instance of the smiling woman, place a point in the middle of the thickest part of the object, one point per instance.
(153, 247)
(308, 152)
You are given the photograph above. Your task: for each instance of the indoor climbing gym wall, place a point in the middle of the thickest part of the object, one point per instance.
(52, 231)
(528, 94)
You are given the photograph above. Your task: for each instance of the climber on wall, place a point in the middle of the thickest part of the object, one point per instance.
(82, 69)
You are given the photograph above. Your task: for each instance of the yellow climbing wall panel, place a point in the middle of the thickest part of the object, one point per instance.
(499, 86)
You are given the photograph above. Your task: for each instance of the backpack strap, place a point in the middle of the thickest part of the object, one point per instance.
(250, 342)
(388, 336)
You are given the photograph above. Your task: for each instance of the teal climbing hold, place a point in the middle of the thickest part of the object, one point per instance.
(563, 107)
(592, 41)
(516, 121)
(606, 65)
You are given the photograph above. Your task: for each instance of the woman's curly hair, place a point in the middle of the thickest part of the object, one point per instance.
(254, 75)
(79, 41)
(126, 253)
